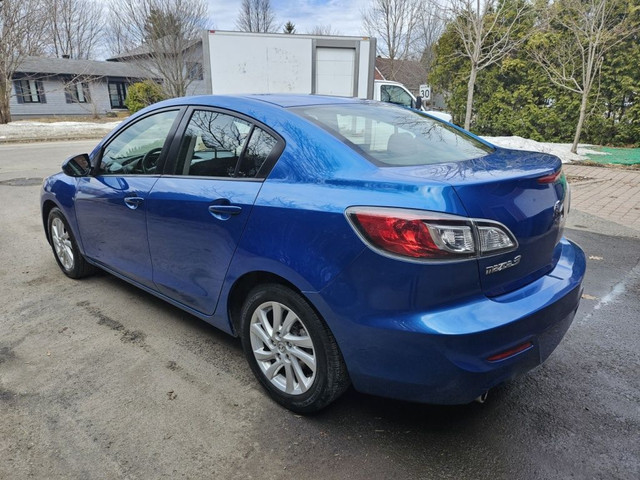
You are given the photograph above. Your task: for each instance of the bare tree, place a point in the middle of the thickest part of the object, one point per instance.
(393, 22)
(21, 34)
(488, 30)
(323, 30)
(162, 37)
(74, 27)
(583, 32)
(256, 16)
(428, 31)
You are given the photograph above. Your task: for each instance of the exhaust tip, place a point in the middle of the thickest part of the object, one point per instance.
(482, 398)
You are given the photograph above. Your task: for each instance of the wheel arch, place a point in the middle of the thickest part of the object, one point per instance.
(244, 284)
(47, 206)
(51, 201)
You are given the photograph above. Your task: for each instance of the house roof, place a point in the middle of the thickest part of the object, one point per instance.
(67, 66)
(411, 73)
(144, 50)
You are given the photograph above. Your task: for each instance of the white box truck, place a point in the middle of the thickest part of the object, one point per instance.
(240, 62)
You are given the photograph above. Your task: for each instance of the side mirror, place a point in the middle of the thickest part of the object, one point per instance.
(418, 103)
(77, 166)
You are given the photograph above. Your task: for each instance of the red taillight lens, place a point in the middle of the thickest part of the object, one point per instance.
(426, 235)
(413, 233)
(398, 235)
(551, 178)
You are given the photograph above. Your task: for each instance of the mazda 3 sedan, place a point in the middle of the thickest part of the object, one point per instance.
(344, 241)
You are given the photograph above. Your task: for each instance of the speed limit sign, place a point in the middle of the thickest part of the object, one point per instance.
(425, 92)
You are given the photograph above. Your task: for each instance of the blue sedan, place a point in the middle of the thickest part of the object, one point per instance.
(344, 241)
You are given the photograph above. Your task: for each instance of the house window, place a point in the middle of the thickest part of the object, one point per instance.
(76, 92)
(117, 94)
(194, 71)
(29, 91)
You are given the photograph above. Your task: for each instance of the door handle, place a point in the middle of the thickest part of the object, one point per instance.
(224, 212)
(133, 202)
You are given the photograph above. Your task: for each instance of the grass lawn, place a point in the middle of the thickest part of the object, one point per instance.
(620, 156)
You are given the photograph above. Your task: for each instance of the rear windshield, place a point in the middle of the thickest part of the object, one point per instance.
(394, 136)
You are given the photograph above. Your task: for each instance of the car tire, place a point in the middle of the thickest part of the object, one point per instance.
(291, 350)
(65, 248)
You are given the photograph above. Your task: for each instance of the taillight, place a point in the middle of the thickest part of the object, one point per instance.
(551, 178)
(429, 235)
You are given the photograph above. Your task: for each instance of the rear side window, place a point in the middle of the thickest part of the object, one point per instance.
(221, 145)
(394, 136)
(258, 150)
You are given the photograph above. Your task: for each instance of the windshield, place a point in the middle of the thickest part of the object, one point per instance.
(394, 136)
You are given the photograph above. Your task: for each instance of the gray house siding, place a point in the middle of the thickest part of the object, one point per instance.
(56, 101)
(199, 86)
(52, 75)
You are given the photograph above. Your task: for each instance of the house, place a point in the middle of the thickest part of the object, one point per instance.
(191, 54)
(62, 86)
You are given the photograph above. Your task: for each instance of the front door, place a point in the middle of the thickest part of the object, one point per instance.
(111, 204)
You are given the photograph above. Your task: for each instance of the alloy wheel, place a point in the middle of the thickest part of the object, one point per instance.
(283, 348)
(62, 243)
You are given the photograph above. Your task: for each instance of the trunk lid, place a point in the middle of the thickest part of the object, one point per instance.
(506, 187)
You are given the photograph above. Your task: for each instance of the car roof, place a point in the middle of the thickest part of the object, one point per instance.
(277, 99)
(293, 100)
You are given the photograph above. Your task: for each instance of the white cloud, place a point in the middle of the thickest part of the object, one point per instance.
(343, 15)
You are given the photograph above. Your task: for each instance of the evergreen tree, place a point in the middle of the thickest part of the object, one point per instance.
(516, 97)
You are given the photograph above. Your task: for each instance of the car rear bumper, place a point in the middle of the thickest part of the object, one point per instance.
(441, 356)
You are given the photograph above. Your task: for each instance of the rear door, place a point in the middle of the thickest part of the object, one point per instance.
(197, 212)
(111, 204)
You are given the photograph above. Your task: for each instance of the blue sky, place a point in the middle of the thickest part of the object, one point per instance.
(343, 15)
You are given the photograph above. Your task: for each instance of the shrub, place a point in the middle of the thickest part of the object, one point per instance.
(143, 94)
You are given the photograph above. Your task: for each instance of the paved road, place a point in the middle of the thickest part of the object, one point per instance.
(37, 160)
(100, 380)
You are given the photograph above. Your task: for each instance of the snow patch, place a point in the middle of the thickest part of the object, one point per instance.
(28, 129)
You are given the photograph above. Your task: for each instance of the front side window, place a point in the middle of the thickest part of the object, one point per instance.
(395, 94)
(212, 144)
(392, 136)
(136, 150)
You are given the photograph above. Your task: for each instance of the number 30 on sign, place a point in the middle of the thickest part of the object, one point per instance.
(425, 92)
